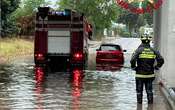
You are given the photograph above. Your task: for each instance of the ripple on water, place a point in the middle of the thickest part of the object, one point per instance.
(98, 90)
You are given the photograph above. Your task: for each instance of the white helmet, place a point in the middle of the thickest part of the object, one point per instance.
(146, 37)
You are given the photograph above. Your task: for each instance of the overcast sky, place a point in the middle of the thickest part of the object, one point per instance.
(53, 3)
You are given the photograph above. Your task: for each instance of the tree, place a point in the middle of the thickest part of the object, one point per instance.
(141, 21)
(128, 18)
(100, 13)
(25, 16)
(134, 21)
(8, 25)
(149, 18)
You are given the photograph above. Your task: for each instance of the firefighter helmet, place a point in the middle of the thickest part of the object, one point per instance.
(146, 38)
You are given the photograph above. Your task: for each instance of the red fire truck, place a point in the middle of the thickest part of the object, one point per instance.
(61, 38)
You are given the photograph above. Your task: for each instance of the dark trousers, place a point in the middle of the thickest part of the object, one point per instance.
(140, 83)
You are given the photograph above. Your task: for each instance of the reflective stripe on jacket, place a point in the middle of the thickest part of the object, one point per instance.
(145, 76)
(147, 53)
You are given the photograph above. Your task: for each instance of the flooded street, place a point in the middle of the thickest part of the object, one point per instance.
(87, 55)
(94, 90)
(23, 88)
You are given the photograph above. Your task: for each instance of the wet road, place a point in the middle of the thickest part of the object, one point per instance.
(95, 90)
(22, 88)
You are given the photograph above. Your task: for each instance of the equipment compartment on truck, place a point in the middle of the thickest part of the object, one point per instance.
(61, 39)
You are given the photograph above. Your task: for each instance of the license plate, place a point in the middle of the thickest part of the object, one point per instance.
(108, 56)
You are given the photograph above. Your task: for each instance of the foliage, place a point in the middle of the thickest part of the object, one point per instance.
(123, 33)
(25, 16)
(134, 21)
(149, 18)
(28, 7)
(128, 18)
(141, 21)
(8, 25)
(100, 13)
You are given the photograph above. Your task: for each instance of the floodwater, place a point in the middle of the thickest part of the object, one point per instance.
(25, 87)
(22, 88)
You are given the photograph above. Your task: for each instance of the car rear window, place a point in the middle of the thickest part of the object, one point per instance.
(110, 47)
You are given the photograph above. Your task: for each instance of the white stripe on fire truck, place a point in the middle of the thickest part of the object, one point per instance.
(58, 33)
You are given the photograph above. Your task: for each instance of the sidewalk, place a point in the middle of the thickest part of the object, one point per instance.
(169, 93)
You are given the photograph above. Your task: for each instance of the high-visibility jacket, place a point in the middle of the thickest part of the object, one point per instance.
(144, 60)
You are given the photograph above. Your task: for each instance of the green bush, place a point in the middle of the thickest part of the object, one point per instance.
(123, 33)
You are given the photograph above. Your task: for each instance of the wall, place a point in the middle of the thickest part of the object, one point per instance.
(164, 28)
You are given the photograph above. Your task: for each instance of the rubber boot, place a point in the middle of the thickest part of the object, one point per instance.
(139, 98)
(150, 98)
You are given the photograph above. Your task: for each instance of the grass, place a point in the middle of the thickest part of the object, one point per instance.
(11, 48)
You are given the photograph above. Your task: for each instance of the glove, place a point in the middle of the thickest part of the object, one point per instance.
(134, 68)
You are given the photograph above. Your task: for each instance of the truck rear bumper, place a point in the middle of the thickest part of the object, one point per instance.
(61, 62)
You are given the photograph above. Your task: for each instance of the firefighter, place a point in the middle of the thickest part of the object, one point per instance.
(90, 31)
(144, 61)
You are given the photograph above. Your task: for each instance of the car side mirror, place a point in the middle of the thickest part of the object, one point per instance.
(124, 50)
(97, 49)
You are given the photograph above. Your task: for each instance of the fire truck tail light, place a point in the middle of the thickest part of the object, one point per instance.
(39, 56)
(78, 56)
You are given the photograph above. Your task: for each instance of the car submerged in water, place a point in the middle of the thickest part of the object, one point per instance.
(109, 57)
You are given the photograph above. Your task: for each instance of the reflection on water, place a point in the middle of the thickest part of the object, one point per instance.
(77, 77)
(108, 67)
(23, 86)
(39, 74)
(39, 78)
